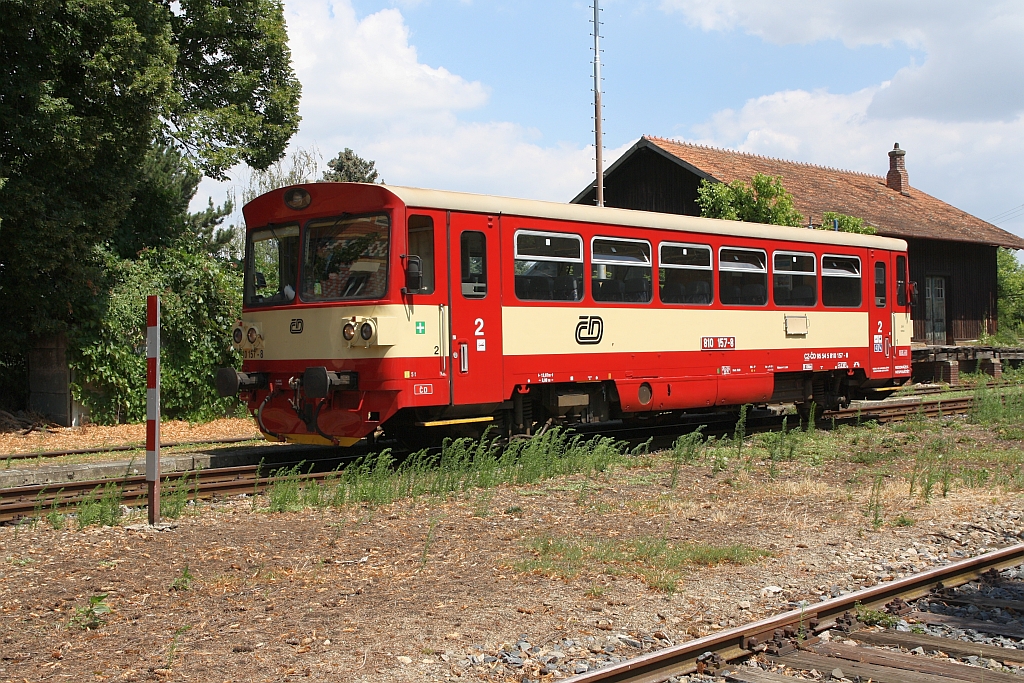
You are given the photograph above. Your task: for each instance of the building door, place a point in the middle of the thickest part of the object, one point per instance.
(476, 360)
(881, 317)
(935, 310)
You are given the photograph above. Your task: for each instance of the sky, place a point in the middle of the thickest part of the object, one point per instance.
(495, 96)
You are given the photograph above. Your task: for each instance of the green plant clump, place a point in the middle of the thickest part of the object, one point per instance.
(93, 615)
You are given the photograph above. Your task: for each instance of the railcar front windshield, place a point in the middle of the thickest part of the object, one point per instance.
(345, 258)
(271, 266)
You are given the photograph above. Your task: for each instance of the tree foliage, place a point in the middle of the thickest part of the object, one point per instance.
(764, 200)
(200, 298)
(86, 88)
(349, 167)
(1010, 302)
(235, 96)
(846, 223)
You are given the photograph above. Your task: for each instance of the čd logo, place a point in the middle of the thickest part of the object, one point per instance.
(589, 330)
(296, 326)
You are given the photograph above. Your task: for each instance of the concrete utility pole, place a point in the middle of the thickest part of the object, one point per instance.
(598, 145)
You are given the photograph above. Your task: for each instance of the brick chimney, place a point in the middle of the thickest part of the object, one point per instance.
(897, 177)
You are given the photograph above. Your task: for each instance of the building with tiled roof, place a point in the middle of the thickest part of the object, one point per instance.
(952, 253)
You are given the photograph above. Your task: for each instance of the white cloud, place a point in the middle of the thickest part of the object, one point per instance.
(975, 64)
(364, 87)
(973, 165)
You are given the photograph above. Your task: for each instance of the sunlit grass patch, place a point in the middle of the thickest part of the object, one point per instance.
(655, 561)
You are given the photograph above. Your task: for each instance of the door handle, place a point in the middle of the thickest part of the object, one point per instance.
(463, 357)
(887, 347)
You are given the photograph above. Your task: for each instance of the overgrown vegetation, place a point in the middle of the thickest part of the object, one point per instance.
(461, 465)
(657, 562)
(200, 298)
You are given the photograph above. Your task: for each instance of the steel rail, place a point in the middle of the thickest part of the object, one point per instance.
(24, 501)
(735, 643)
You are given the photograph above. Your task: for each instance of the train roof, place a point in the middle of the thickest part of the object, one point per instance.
(481, 203)
(271, 207)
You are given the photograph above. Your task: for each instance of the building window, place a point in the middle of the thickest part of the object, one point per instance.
(685, 274)
(840, 281)
(794, 279)
(743, 276)
(620, 270)
(548, 266)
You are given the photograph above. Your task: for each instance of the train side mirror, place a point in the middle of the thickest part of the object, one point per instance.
(260, 280)
(413, 275)
(913, 294)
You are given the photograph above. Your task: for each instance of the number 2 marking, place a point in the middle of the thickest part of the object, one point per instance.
(437, 351)
(879, 327)
(479, 322)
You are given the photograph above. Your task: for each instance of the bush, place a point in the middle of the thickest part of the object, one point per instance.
(200, 298)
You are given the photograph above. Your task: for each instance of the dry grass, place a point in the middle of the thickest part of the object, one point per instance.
(95, 436)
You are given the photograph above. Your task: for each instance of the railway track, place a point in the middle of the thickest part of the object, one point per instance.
(801, 639)
(29, 501)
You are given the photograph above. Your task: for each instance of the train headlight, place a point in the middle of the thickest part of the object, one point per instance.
(349, 331)
(366, 331)
(296, 198)
(251, 335)
(237, 336)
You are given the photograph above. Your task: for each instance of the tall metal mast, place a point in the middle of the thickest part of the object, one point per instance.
(598, 145)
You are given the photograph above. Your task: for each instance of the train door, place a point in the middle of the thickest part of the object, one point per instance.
(902, 325)
(475, 296)
(427, 239)
(880, 317)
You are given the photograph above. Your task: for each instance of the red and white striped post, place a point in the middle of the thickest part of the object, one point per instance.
(153, 406)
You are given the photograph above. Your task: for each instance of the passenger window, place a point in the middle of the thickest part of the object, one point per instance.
(879, 284)
(901, 280)
(620, 270)
(794, 279)
(840, 281)
(474, 264)
(548, 266)
(743, 276)
(685, 274)
(421, 243)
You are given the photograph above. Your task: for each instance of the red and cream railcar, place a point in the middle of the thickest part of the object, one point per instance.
(372, 308)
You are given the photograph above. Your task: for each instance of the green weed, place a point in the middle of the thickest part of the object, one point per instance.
(100, 506)
(873, 617)
(183, 582)
(93, 615)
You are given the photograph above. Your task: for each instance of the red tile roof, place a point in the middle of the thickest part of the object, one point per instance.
(817, 189)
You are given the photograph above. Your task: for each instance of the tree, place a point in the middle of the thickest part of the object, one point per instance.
(764, 200)
(1010, 301)
(846, 223)
(349, 167)
(87, 87)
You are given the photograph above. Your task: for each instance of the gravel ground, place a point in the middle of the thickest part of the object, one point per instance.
(459, 589)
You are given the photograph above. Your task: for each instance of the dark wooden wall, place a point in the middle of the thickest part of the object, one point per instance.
(970, 272)
(647, 181)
